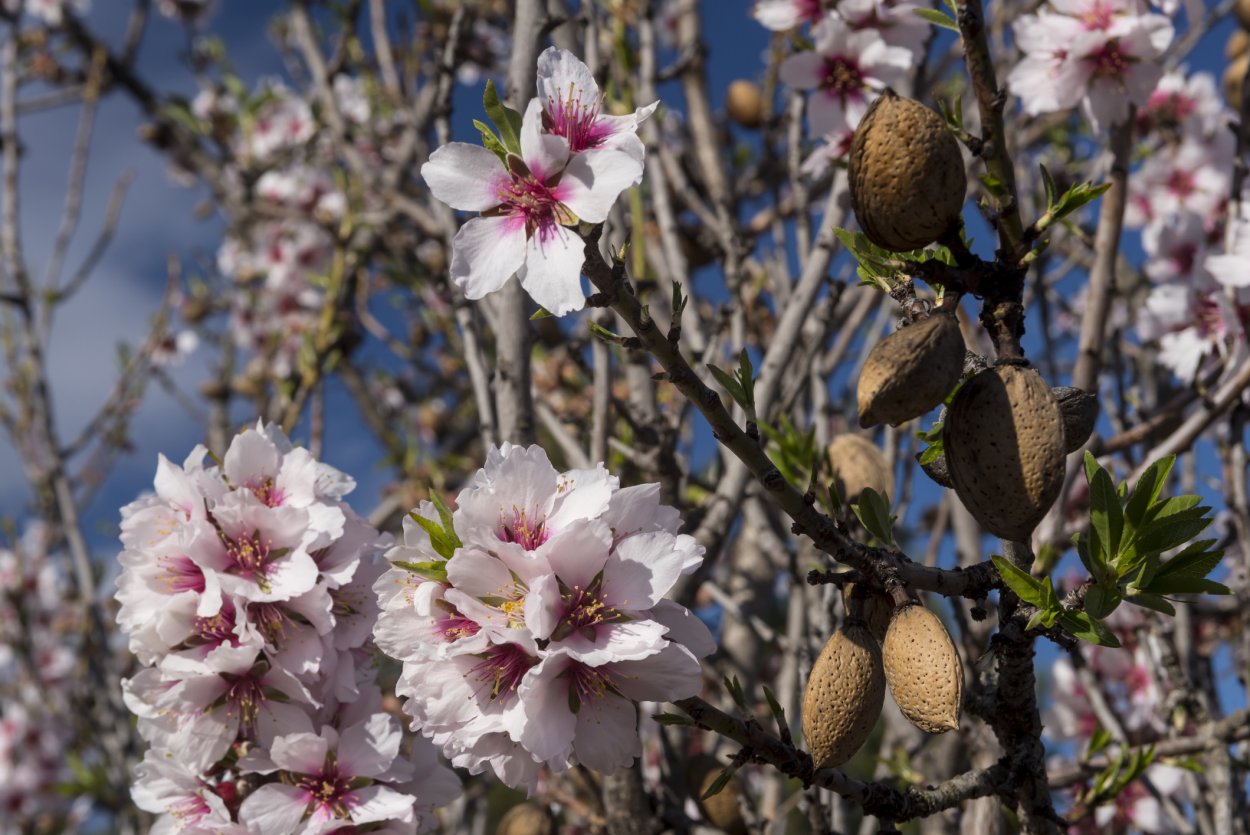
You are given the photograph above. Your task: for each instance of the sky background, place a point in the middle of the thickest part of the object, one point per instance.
(118, 302)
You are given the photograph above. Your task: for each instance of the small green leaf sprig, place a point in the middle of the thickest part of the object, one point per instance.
(1123, 551)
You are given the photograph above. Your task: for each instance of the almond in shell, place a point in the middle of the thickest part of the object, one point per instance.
(857, 463)
(844, 695)
(923, 669)
(1005, 447)
(907, 174)
(911, 370)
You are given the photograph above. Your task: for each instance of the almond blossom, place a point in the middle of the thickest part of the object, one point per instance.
(1100, 54)
(572, 107)
(532, 617)
(846, 71)
(783, 15)
(527, 211)
(247, 592)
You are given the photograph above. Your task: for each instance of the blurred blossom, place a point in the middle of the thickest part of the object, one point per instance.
(845, 72)
(782, 15)
(189, 11)
(1100, 54)
(51, 12)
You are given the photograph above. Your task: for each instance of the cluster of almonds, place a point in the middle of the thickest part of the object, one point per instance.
(913, 655)
(1006, 433)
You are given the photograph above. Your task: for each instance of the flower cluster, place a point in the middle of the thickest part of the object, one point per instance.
(1100, 54)
(1198, 258)
(246, 590)
(861, 47)
(1133, 694)
(40, 643)
(569, 163)
(531, 619)
(51, 12)
(277, 263)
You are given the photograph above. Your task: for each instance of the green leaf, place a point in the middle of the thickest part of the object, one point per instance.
(435, 570)
(1148, 489)
(746, 378)
(720, 782)
(1175, 530)
(490, 141)
(1194, 561)
(1180, 584)
(1098, 741)
(873, 512)
(938, 19)
(1076, 197)
(1095, 567)
(507, 121)
(1151, 601)
(1101, 600)
(1106, 514)
(734, 688)
(1049, 183)
(1026, 587)
(1086, 628)
(730, 384)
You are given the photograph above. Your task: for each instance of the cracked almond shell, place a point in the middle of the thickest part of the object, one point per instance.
(906, 174)
(911, 371)
(857, 463)
(923, 669)
(1005, 448)
(844, 695)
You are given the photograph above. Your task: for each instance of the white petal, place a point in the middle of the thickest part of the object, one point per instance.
(673, 673)
(486, 253)
(607, 734)
(300, 753)
(466, 177)
(544, 154)
(274, 809)
(642, 569)
(381, 803)
(594, 179)
(802, 71)
(368, 748)
(562, 77)
(553, 270)
(685, 628)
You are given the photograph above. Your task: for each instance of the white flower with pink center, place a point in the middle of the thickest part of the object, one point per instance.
(783, 15)
(1101, 54)
(575, 709)
(558, 575)
(1192, 176)
(1191, 325)
(168, 786)
(572, 108)
(1183, 103)
(845, 72)
(334, 780)
(527, 211)
(1176, 249)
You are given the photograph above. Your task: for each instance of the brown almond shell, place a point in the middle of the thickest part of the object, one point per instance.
(922, 669)
(911, 371)
(844, 695)
(1005, 447)
(907, 175)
